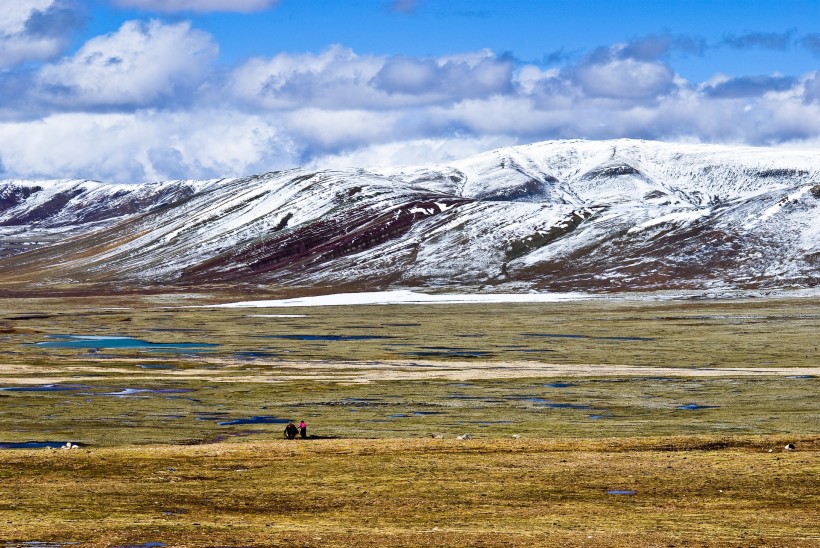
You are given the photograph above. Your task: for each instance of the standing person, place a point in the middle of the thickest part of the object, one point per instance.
(303, 429)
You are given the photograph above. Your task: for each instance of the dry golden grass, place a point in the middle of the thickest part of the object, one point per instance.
(689, 491)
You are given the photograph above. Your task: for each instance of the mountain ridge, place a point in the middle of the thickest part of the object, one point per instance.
(556, 215)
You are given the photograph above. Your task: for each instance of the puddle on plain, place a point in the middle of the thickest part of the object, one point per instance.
(125, 392)
(695, 407)
(159, 366)
(32, 445)
(332, 338)
(130, 343)
(47, 388)
(263, 419)
(627, 492)
(559, 384)
(801, 377)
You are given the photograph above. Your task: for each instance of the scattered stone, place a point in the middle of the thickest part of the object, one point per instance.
(516, 436)
(464, 437)
(789, 447)
(438, 436)
(69, 445)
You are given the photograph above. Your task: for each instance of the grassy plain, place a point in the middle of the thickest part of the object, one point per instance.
(680, 401)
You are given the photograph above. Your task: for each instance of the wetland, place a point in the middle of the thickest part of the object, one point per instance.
(146, 383)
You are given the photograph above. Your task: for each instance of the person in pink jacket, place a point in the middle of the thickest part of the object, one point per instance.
(303, 429)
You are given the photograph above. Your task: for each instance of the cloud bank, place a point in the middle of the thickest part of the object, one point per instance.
(149, 101)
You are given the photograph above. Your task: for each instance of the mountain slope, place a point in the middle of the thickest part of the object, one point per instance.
(561, 215)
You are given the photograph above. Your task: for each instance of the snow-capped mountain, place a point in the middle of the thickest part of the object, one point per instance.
(601, 215)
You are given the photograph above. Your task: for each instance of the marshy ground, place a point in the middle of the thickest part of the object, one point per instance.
(636, 423)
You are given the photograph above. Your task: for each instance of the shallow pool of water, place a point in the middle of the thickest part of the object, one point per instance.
(111, 342)
(47, 388)
(263, 419)
(695, 406)
(125, 392)
(32, 445)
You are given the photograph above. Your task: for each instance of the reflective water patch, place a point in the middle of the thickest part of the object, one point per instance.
(111, 342)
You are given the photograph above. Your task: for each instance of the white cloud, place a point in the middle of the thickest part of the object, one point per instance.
(625, 79)
(339, 78)
(178, 115)
(412, 152)
(21, 36)
(137, 65)
(341, 129)
(170, 6)
(336, 78)
(144, 146)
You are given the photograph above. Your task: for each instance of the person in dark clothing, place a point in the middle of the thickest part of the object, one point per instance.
(303, 429)
(291, 431)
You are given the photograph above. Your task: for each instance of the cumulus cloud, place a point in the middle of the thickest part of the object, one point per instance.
(171, 6)
(811, 87)
(339, 78)
(146, 145)
(453, 77)
(625, 79)
(36, 29)
(146, 102)
(135, 66)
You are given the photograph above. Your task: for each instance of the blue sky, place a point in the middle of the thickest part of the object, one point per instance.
(131, 90)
